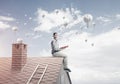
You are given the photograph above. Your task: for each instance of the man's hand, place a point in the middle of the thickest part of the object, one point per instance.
(64, 47)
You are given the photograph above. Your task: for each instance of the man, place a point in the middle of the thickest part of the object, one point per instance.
(56, 50)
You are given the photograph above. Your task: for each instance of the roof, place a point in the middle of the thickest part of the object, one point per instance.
(11, 76)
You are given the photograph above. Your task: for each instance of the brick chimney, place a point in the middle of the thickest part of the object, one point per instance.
(19, 55)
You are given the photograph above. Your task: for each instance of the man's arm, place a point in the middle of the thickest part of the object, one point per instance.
(64, 47)
(55, 46)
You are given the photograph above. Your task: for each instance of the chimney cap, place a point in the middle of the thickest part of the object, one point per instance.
(19, 40)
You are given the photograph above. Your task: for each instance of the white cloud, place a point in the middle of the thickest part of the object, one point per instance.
(37, 36)
(15, 28)
(98, 64)
(4, 25)
(5, 43)
(57, 18)
(88, 75)
(4, 22)
(25, 24)
(103, 20)
(118, 16)
(30, 18)
(29, 35)
(67, 35)
(6, 18)
(117, 28)
(33, 35)
(44, 53)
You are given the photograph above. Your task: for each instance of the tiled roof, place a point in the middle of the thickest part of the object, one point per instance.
(11, 76)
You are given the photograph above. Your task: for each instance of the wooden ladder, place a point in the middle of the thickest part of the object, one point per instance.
(37, 75)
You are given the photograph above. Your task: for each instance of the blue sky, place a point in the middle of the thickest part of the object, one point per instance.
(18, 10)
(97, 60)
(21, 7)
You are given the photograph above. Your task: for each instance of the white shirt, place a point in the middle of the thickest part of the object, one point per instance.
(55, 46)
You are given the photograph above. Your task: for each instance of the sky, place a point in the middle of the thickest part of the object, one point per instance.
(91, 28)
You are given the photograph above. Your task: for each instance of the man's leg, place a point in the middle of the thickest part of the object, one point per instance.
(59, 54)
(65, 61)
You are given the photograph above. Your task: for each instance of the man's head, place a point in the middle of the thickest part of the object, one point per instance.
(55, 35)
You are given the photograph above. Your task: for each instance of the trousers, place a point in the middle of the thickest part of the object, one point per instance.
(60, 54)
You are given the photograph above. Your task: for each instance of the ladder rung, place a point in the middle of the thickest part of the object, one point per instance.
(39, 72)
(35, 72)
(42, 74)
(41, 68)
(35, 77)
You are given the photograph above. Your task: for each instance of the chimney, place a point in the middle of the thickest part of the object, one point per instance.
(19, 54)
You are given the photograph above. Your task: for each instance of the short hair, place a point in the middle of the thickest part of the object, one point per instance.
(54, 33)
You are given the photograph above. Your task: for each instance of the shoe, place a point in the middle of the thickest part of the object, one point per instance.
(67, 69)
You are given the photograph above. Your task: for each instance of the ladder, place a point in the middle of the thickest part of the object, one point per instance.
(37, 74)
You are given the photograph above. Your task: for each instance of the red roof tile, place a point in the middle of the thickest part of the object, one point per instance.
(13, 76)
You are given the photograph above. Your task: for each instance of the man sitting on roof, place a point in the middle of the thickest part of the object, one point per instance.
(56, 50)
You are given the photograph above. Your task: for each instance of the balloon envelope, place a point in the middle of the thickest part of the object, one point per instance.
(15, 29)
(65, 24)
(86, 40)
(87, 18)
(57, 11)
(92, 44)
(43, 16)
(93, 24)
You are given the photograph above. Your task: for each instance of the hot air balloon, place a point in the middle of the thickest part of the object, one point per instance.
(94, 24)
(30, 18)
(15, 29)
(86, 40)
(87, 19)
(43, 16)
(65, 24)
(77, 33)
(57, 11)
(92, 44)
(64, 17)
(25, 23)
(25, 15)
